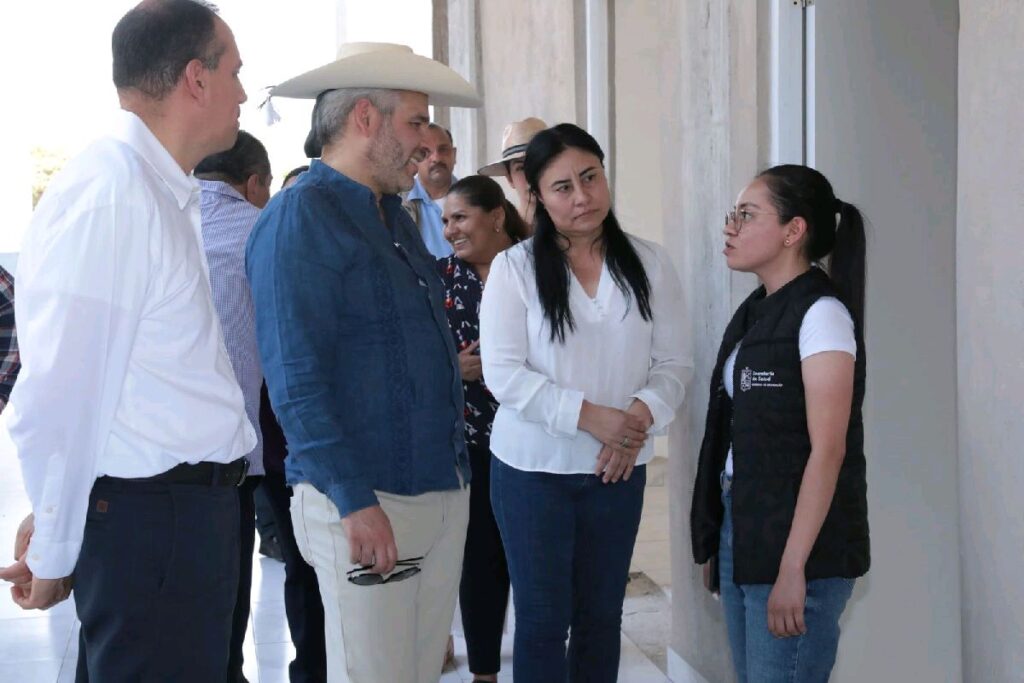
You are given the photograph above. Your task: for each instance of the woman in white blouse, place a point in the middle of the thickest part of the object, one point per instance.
(583, 345)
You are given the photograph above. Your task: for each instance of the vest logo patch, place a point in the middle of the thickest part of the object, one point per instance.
(758, 379)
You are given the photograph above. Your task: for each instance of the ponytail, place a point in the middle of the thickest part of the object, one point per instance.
(847, 263)
(515, 226)
(802, 191)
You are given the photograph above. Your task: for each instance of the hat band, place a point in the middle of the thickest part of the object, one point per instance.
(514, 149)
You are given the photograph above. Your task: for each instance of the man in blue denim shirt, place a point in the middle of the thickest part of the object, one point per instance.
(364, 378)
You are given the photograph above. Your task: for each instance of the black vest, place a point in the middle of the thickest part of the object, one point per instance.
(766, 423)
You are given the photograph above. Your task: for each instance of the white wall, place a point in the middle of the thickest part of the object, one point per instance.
(637, 114)
(885, 117)
(990, 290)
(886, 135)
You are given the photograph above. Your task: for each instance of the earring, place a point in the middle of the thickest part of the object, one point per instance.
(497, 228)
(787, 242)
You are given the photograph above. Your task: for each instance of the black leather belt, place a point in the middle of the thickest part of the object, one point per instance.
(203, 473)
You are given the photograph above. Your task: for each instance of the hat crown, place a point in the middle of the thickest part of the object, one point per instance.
(519, 133)
(362, 48)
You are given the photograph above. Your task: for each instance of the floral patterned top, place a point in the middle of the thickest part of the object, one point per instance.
(463, 290)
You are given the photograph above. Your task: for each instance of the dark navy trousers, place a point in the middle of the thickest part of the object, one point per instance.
(156, 582)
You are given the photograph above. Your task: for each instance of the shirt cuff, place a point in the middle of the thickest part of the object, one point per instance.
(662, 414)
(52, 559)
(351, 497)
(567, 417)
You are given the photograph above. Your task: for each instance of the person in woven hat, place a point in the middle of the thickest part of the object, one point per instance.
(361, 369)
(514, 139)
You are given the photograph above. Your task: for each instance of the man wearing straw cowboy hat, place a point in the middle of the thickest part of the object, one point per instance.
(514, 139)
(361, 368)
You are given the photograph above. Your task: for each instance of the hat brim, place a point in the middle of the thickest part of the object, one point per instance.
(497, 168)
(389, 70)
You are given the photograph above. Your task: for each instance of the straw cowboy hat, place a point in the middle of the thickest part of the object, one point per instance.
(514, 140)
(383, 65)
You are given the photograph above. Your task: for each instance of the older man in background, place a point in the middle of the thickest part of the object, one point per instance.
(235, 185)
(425, 201)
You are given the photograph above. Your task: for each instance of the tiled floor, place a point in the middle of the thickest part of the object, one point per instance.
(41, 647)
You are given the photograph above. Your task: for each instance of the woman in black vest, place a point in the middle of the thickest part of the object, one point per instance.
(780, 497)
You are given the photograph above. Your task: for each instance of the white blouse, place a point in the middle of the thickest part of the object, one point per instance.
(611, 357)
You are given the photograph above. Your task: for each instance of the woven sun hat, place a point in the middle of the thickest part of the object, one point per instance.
(514, 139)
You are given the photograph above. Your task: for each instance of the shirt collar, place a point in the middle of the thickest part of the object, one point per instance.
(220, 187)
(341, 183)
(420, 192)
(131, 130)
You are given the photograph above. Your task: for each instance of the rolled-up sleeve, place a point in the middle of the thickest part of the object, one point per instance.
(503, 350)
(297, 332)
(671, 354)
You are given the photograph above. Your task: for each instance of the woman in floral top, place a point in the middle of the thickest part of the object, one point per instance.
(479, 223)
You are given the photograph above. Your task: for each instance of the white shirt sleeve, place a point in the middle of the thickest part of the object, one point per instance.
(671, 355)
(77, 312)
(827, 326)
(503, 350)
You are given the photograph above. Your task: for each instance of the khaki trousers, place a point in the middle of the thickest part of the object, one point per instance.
(394, 632)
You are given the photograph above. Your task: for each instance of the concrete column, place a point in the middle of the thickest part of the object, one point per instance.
(468, 126)
(709, 78)
(990, 332)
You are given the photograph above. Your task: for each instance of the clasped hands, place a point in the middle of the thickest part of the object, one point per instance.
(29, 591)
(622, 434)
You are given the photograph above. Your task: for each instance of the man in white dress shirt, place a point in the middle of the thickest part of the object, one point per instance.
(128, 420)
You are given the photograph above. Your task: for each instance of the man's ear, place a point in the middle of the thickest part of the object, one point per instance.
(365, 118)
(253, 185)
(194, 79)
(455, 156)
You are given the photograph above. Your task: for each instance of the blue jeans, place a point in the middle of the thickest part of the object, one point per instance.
(569, 540)
(760, 657)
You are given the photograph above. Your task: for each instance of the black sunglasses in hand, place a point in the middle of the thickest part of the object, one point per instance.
(408, 569)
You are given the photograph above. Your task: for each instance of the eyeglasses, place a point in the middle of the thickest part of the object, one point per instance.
(742, 217)
(367, 578)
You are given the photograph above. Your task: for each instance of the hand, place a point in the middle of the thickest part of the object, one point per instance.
(470, 364)
(786, 604)
(371, 540)
(707, 568)
(640, 409)
(18, 573)
(23, 536)
(616, 463)
(41, 593)
(612, 427)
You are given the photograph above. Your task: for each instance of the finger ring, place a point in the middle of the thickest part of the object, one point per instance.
(625, 442)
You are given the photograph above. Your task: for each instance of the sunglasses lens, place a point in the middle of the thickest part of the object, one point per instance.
(377, 579)
(366, 579)
(404, 574)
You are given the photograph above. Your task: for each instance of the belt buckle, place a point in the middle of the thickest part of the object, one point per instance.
(245, 471)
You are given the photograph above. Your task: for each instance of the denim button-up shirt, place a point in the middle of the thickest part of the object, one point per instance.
(361, 368)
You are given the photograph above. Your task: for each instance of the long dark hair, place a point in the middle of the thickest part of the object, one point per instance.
(550, 262)
(483, 193)
(802, 191)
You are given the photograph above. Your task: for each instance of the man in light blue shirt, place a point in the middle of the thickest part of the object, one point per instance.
(425, 201)
(235, 187)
